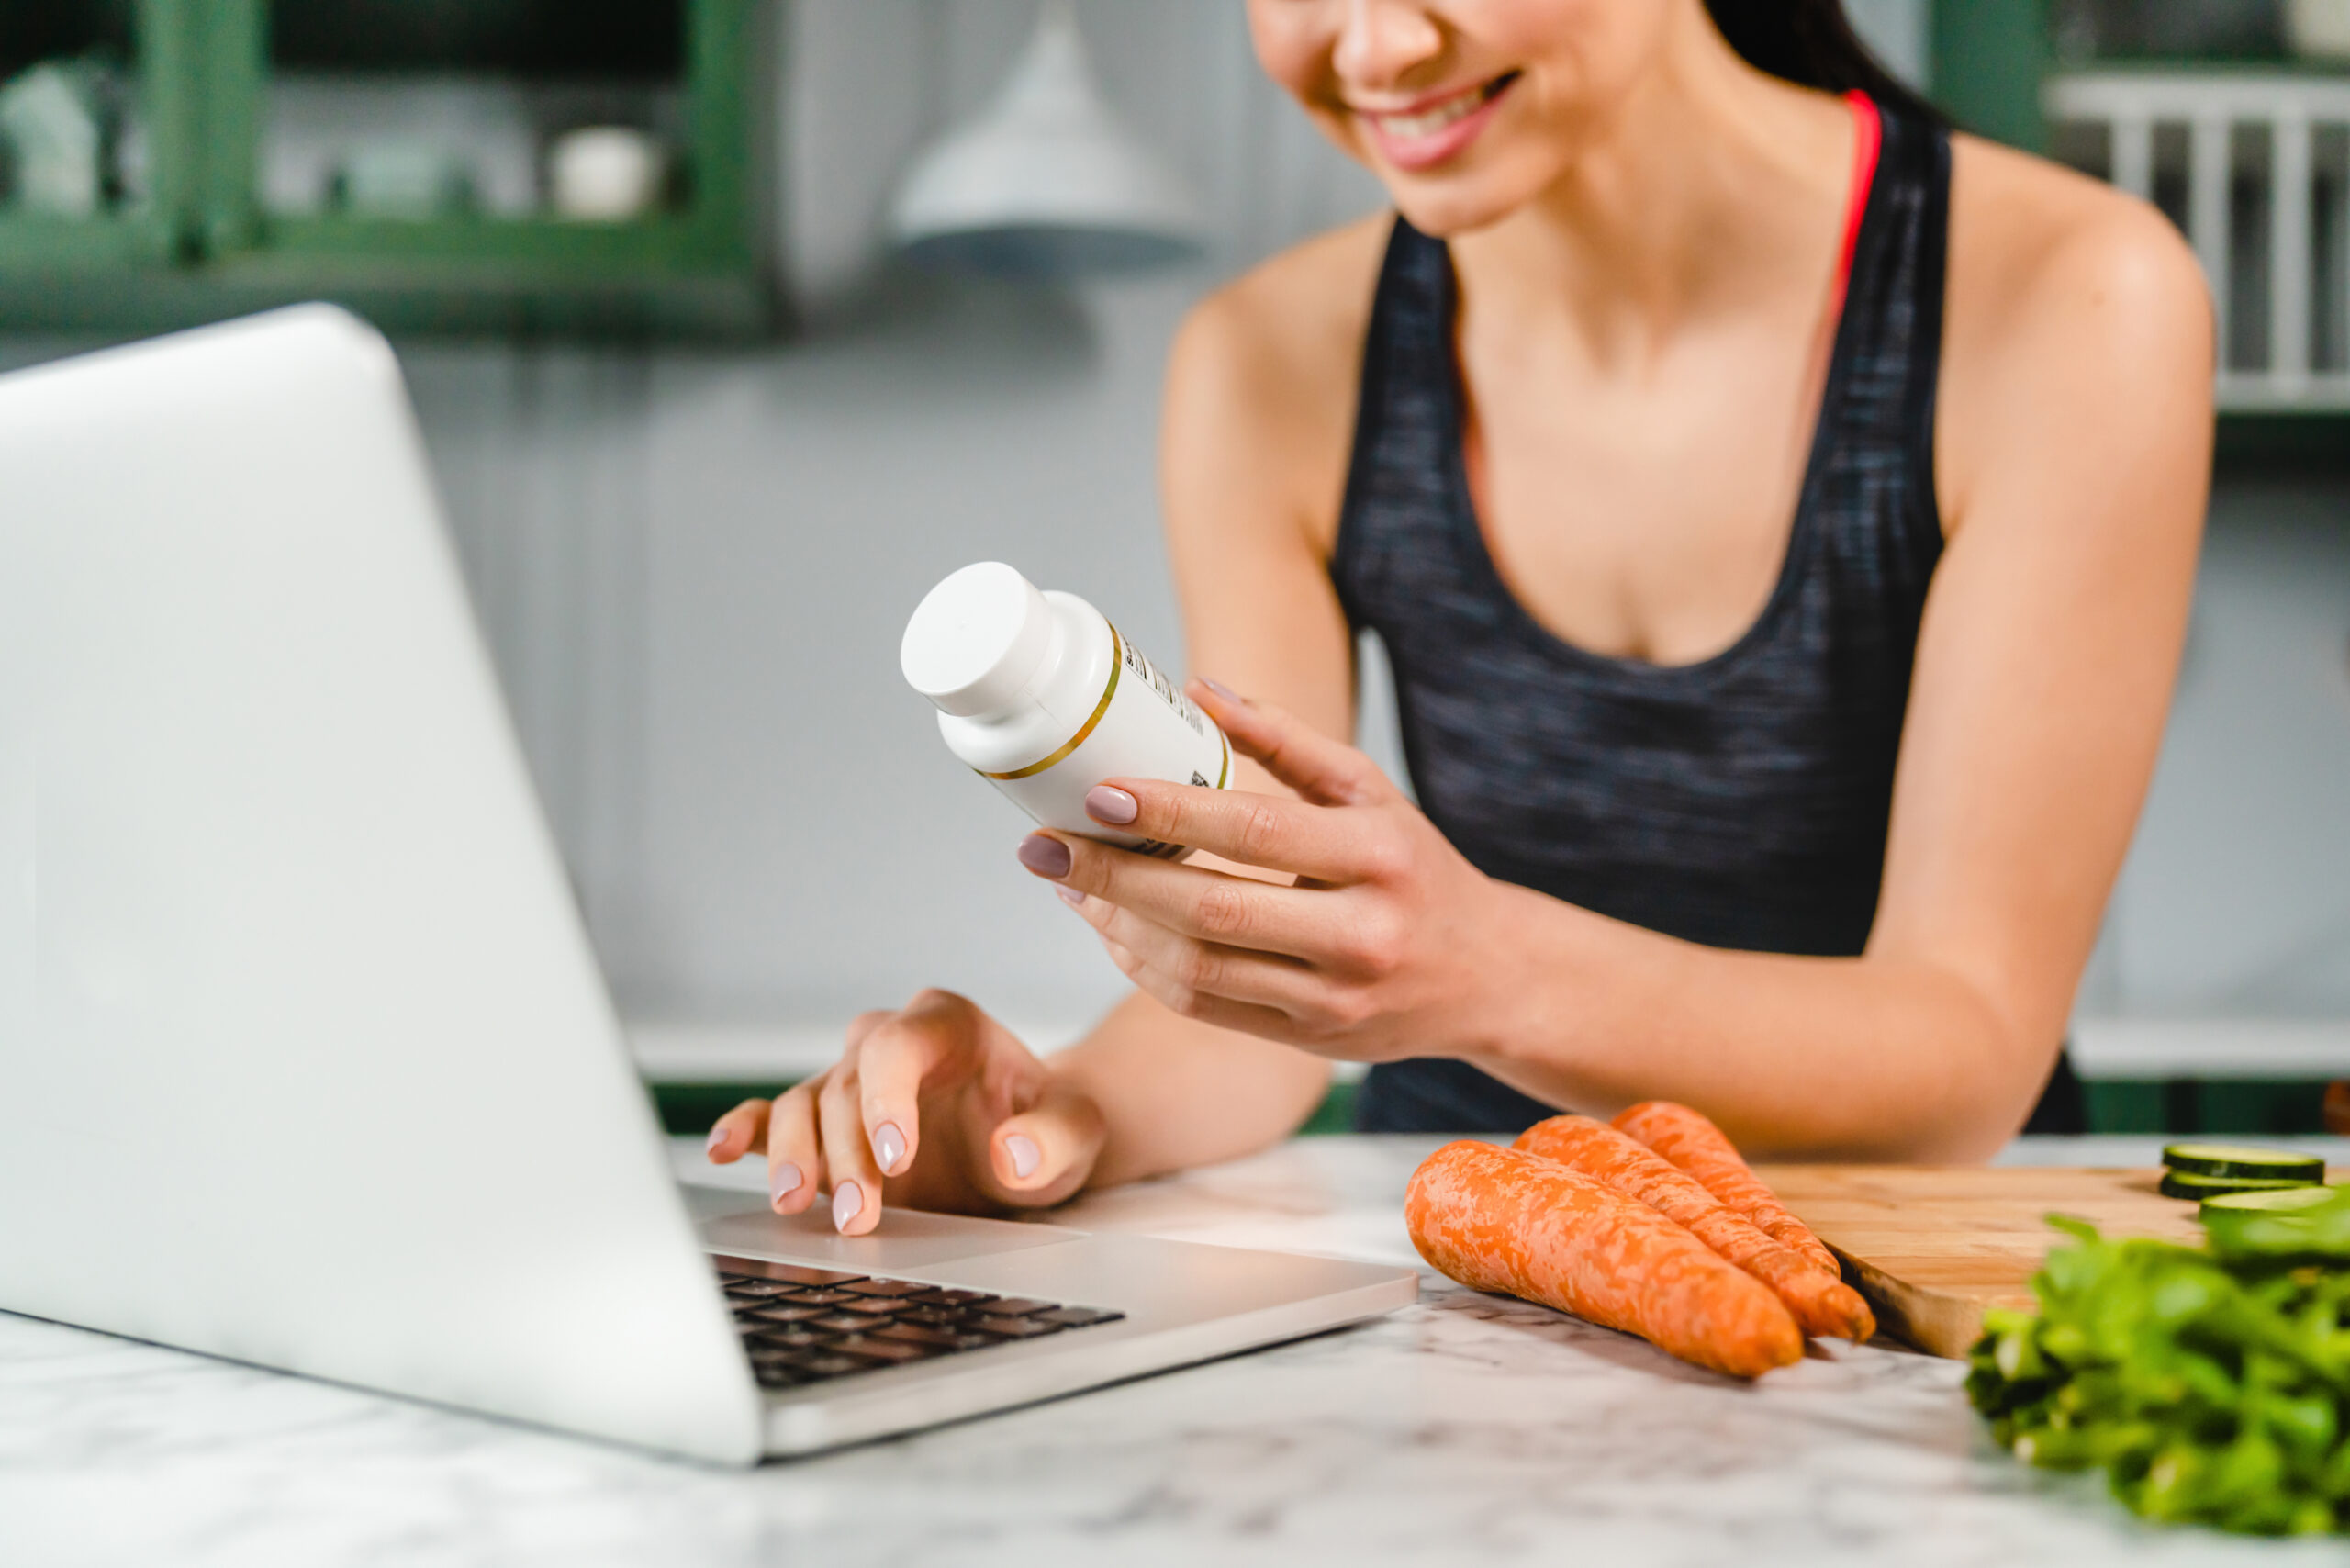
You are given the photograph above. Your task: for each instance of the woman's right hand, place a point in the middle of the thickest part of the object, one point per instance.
(934, 1106)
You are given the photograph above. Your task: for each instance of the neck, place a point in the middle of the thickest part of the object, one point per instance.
(1707, 187)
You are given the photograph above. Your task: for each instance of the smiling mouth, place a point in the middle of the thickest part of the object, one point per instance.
(1428, 121)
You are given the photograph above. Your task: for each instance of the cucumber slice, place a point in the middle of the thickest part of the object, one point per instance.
(2316, 1230)
(2268, 1200)
(2180, 1184)
(2242, 1163)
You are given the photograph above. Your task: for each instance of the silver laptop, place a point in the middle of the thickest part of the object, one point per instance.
(304, 1059)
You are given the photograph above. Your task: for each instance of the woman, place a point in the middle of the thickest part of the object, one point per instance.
(1782, 516)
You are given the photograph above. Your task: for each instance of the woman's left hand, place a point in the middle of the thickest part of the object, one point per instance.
(1386, 946)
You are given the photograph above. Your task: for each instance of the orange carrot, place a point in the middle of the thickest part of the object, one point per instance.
(1822, 1304)
(1496, 1219)
(1685, 1137)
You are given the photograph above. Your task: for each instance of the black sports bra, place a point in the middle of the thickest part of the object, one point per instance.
(1741, 801)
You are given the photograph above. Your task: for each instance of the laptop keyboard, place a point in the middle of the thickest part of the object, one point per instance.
(801, 1324)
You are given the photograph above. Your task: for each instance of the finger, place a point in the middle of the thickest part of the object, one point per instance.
(1046, 1153)
(1234, 973)
(864, 1023)
(795, 1156)
(893, 1060)
(1294, 752)
(1270, 831)
(848, 1158)
(737, 1133)
(1248, 1017)
(1212, 906)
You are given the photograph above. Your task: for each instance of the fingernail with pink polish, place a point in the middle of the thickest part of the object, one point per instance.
(888, 1148)
(1025, 1155)
(1223, 691)
(1070, 895)
(1108, 803)
(717, 1137)
(782, 1181)
(1045, 857)
(847, 1198)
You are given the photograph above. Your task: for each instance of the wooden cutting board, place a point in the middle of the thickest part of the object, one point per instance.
(1933, 1247)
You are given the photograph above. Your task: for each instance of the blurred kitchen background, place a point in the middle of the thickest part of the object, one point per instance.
(706, 431)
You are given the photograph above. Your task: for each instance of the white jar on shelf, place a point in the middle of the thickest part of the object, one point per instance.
(2318, 29)
(604, 173)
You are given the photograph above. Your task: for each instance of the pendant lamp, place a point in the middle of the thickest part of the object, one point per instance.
(1044, 181)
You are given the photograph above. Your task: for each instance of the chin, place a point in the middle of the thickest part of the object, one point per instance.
(1447, 206)
(1449, 214)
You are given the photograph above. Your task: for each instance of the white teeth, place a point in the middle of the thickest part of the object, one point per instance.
(1428, 122)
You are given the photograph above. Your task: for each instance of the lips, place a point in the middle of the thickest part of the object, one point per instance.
(1430, 131)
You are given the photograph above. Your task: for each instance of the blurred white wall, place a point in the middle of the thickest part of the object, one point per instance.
(2237, 900)
(1900, 31)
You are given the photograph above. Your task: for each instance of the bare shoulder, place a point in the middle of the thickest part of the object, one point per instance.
(1262, 381)
(2067, 301)
(2026, 233)
(1297, 318)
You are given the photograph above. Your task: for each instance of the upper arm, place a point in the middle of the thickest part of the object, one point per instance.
(1257, 420)
(2073, 444)
(1260, 413)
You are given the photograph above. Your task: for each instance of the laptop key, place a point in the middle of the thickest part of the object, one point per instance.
(936, 1339)
(879, 1349)
(868, 1306)
(1076, 1317)
(845, 1322)
(754, 1290)
(1018, 1306)
(792, 1341)
(802, 1275)
(782, 1312)
(938, 1296)
(1016, 1327)
(886, 1288)
(833, 1366)
(931, 1317)
(823, 1298)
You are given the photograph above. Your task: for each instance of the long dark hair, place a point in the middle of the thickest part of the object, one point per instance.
(1810, 43)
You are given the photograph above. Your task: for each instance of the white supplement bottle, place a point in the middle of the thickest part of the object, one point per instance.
(1045, 699)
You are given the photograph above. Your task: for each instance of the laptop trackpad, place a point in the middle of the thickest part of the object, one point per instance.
(732, 1220)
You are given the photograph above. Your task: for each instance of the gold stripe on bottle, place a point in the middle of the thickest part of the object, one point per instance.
(1226, 771)
(1117, 657)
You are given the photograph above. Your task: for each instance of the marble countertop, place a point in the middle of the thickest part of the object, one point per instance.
(1467, 1428)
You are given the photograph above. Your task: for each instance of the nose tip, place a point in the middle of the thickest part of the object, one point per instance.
(1381, 41)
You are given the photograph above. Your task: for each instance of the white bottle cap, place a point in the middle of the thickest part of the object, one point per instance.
(977, 639)
(606, 173)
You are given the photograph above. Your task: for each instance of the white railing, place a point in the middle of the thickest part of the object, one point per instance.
(2284, 120)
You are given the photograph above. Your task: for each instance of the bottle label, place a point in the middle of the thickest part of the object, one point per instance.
(1138, 664)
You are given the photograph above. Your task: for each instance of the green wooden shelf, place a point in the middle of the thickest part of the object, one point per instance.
(2316, 442)
(2274, 1108)
(202, 247)
(37, 242)
(1989, 59)
(2215, 65)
